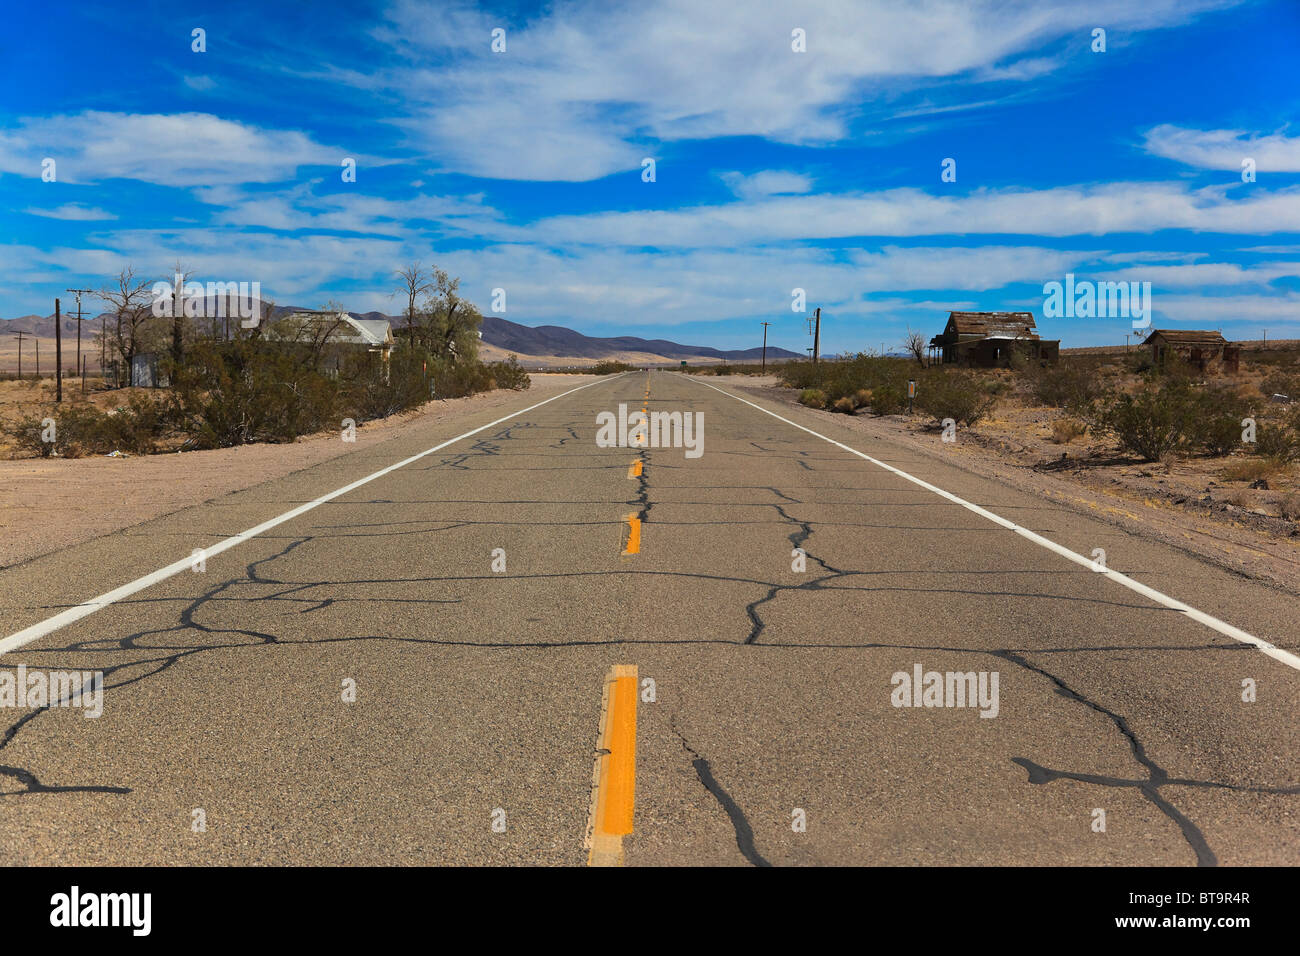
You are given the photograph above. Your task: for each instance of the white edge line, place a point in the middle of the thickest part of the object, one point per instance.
(77, 612)
(1236, 633)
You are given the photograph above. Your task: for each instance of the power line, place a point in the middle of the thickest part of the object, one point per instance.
(78, 293)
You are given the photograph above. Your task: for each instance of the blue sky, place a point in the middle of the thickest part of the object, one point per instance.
(774, 169)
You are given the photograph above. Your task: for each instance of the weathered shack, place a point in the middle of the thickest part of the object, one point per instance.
(1205, 349)
(989, 339)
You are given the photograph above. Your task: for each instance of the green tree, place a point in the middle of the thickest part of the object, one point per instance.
(448, 323)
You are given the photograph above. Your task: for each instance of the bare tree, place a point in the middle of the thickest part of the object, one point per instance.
(130, 301)
(416, 284)
(914, 343)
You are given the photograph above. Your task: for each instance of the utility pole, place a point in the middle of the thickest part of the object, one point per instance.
(765, 325)
(58, 353)
(1265, 343)
(817, 334)
(38, 357)
(20, 351)
(78, 293)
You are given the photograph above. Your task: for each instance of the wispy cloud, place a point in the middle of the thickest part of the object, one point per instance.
(1225, 148)
(1131, 207)
(179, 149)
(768, 182)
(580, 92)
(301, 208)
(72, 211)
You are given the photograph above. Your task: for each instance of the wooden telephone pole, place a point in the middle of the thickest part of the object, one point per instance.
(58, 353)
(817, 334)
(765, 325)
(20, 350)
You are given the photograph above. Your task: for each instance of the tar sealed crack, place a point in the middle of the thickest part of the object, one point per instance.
(642, 499)
(744, 832)
(1157, 777)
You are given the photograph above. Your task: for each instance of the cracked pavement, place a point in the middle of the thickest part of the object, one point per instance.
(478, 690)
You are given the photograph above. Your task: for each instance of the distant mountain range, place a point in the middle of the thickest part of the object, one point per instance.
(528, 342)
(43, 325)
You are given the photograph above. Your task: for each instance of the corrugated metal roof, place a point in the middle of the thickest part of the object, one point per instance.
(378, 330)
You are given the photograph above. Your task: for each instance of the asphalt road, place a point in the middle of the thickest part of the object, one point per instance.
(473, 732)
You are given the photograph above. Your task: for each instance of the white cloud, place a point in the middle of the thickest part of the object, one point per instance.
(181, 149)
(1225, 148)
(1213, 311)
(73, 211)
(299, 208)
(1026, 69)
(768, 182)
(1165, 257)
(582, 89)
(973, 268)
(1132, 207)
(1202, 275)
(498, 137)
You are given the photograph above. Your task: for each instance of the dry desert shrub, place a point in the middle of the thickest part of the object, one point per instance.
(954, 393)
(1251, 469)
(813, 398)
(1066, 430)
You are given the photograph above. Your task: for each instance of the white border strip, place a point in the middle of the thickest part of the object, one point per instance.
(1277, 653)
(76, 613)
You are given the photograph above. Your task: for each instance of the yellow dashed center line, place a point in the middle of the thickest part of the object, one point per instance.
(613, 780)
(634, 471)
(633, 535)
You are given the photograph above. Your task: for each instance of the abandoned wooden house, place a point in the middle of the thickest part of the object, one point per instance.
(1207, 350)
(989, 339)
